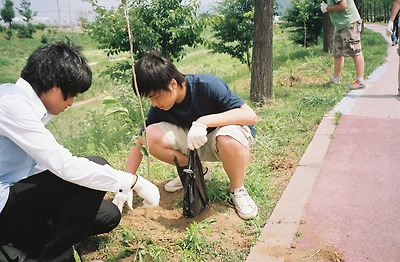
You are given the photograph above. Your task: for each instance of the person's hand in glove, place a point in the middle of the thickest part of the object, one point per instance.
(323, 7)
(145, 189)
(148, 191)
(389, 29)
(120, 199)
(197, 135)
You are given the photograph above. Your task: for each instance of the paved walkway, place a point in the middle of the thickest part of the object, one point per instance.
(343, 201)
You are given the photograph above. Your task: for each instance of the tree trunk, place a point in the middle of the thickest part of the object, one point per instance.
(360, 9)
(327, 33)
(261, 70)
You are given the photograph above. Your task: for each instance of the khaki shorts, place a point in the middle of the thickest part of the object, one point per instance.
(347, 41)
(177, 136)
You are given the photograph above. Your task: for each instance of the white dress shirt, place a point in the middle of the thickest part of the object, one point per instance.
(22, 121)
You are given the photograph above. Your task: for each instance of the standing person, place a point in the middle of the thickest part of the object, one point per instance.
(195, 111)
(395, 33)
(51, 200)
(346, 38)
(389, 31)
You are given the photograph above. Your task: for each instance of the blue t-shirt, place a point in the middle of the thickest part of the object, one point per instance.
(205, 94)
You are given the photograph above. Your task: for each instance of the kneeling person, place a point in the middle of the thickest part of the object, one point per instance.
(195, 111)
(50, 200)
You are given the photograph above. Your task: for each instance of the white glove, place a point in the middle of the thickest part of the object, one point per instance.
(197, 135)
(145, 189)
(323, 7)
(120, 199)
(148, 191)
(389, 29)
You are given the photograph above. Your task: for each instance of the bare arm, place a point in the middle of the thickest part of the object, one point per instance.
(395, 9)
(239, 116)
(342, 5)
(134, 158)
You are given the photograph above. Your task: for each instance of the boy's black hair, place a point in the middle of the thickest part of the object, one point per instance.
(154, 73)
(60, 64)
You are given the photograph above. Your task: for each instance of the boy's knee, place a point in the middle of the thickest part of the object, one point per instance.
(153, 133)
(225, 142)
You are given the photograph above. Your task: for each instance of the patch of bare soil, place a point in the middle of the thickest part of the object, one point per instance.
(165, 225)
(86, 101)
(325, 254)
(308, 246)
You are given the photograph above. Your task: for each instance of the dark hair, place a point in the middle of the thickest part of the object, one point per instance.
(61, 65)
(154, 73)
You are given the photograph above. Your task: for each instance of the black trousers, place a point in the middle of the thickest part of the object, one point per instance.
(46, 215)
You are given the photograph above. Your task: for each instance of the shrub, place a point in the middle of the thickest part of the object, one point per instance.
(26, 31)
(9, 34)
(41, 26)
(305, 16)
(44, 39)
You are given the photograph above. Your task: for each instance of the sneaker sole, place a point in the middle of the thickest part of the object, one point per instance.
(356, 88)
(248, 216)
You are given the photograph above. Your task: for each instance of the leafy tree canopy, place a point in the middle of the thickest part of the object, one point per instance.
(233, 26)
(26, 12)
(306, 17)
(163, 25)
(8, 13)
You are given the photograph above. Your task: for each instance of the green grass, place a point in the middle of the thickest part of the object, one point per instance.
(13, 53)
(284, 130)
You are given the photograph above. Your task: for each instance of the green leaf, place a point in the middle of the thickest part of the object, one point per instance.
(132, 141)
(109, 100)
(144, 152)
(76, 255)
(116, 110)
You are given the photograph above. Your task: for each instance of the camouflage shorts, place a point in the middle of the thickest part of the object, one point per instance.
(347, 41)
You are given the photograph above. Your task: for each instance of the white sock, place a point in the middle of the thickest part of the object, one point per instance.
(361, 79)
(336, 80)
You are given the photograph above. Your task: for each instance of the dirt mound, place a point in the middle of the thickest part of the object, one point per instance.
(165, 224)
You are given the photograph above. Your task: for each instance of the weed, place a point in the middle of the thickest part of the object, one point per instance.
(338, 115)
(299, 234)
(77, 258)
(194, 244)
(218, 190)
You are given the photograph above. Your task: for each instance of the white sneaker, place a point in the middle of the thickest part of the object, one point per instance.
(244, 204)
(176, 184)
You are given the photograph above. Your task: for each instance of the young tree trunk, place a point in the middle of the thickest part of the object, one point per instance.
(261, 70)
(327, 33)
(360, 9)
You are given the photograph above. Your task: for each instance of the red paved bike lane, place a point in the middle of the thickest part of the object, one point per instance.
(343, 201)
